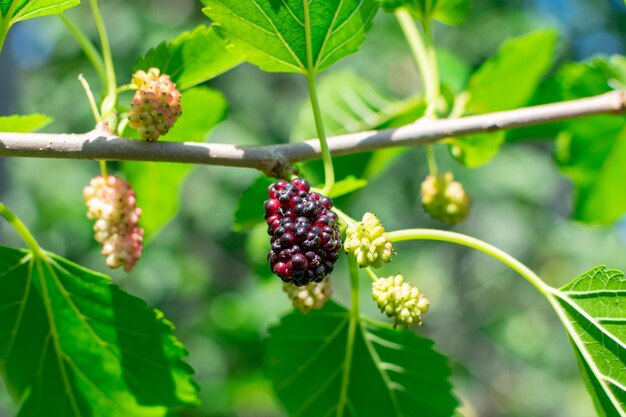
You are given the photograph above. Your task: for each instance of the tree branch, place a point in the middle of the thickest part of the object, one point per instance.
(272, 159)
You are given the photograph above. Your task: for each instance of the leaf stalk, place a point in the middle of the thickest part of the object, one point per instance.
(22, 230)
(425, 57)
(329, 171)
(464, 240)
(88, 48)
(109, 102)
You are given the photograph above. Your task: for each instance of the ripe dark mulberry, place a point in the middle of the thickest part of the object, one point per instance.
(305, 236)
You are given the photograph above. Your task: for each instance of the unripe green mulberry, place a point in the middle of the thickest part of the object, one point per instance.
(156, 104)
(311, 296)
(445, 199)
(367, 241)
(400, 300)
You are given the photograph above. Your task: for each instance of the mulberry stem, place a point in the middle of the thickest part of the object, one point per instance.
(372, 274)
(103, 168)
(344, 217)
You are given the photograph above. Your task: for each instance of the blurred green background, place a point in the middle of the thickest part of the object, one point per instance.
(509, 353)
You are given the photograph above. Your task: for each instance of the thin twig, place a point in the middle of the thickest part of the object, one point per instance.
(98, 144)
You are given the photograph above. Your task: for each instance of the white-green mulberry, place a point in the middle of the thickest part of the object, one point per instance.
(445, 199)
(400, 300)
(311, 296)
(367, 241)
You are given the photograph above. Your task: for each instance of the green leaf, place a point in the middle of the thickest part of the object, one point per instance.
(157, 184)
(500, 84)
(327, 363)
(293, 35)
(15, 10)
(476, 150)
(192, 58)
(452, 12)
(454, 71)
(24, 124)
(257, 247)
(351, 104)
(508, 79)
(347, 186)
(593, 156)
(592, 310)
(250, 209)
(73, 344)
(591, 151)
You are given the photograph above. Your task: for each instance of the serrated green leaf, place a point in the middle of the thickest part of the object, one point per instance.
(157, 184)
(592, 310)
(508, 79)
(452, 12)
(24, 124)
(326, 364)
(191, 58)
(74, 345)
(293, 35)
(476, 150)
(15, 10)
(591, 151)
(250, 209)
(351, 104)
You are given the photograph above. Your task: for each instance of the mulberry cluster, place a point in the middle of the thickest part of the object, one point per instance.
(400, 300)
(156, 104)
(366, 240)
(445, 199)
(305, 236)
(111, 202)
(312, 296)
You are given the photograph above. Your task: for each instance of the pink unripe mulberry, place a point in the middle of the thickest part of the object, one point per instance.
(156, 104)
(112, 203)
